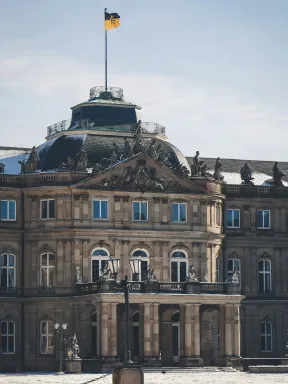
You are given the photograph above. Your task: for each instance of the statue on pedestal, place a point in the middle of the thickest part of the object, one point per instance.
(277, 175)
(150, 275)
(73, 350)
(31, 164)
(81, 160)
(246, 174)
(78, 276)
(196, 166)
(192, 274)
(217, 170)
(127, 152)
(138, 140)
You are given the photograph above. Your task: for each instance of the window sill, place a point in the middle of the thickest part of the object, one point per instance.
(49, 218)
(8, 220)
(7, 353)
(100, 219)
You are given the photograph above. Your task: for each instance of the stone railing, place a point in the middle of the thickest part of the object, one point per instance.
(188, 287)
(254, 191)
(58, 127)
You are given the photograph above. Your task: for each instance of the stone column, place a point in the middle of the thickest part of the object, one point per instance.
(104, 330)
(113, 330)
(155, 330)
(196, 308)
(236, 330)
(222, 330)
(228, 330)
(188, 331)
(86, 261)
(165, 261)
(60, 264)
(126, 257)
(147, 329)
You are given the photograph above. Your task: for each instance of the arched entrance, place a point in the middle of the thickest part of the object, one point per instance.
(210, 336)
(170, 334)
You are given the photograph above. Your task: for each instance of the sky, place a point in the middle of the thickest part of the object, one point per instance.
(214, 72)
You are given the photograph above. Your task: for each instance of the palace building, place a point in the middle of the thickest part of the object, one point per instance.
(204, 246)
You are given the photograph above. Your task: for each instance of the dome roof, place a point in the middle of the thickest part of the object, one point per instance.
(98, 146)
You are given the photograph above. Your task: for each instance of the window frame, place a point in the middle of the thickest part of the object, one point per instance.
(263, 210)
(140, 203)
(8, 209)
(233, 218)
(49, 267)
(266, 335)
(101, 201)
(48, 209)
(178, 221)
(100, 259)
(218, 209)
(47, 335)
(7, 335)
(264, 272)
(141, 258)
(178, 261)
(7, 268)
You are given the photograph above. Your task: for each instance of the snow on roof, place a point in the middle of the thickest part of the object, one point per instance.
(11, 163)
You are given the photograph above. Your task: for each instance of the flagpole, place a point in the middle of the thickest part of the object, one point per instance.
(105, 51)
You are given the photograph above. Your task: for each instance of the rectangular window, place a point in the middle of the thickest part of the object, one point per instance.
(263, 219)
(47, 209)
(233, 218)
(218, 215)
(179, 212)
(8, 210)
(140, 210)
(100, 209)
(8, 337)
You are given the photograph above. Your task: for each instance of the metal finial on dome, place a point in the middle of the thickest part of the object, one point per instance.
(101, 92)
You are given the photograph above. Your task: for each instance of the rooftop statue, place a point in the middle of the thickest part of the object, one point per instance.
(127, 153)
(152, 151)
(246, 174)
(277, 175)
(81, 160)
(217, 170)
(196, 166)
(138, 140)
(31, 164)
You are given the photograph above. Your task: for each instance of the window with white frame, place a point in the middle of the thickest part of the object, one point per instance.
(179, 212)
(8, 210)
(8, 337)
(8, 272)
(47, 270)
(100, 209)
(140, 210)
(218, 215)
(47, 209)
(217, 277)
(46, 337)
(99, 260)
(264, 276)
(266, 336)
(178, 266)
(233, 265)
(263, 219)
(233, 218)
(143, 256)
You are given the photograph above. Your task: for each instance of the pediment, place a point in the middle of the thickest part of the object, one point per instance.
(140, 173)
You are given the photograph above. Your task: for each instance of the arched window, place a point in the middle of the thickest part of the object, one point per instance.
(176, 335)
(264, 273)
(47, 270)
(8, 274)
(266, 336)
(143, 256)
(233, 264)
(46, 337)
(8, 337)
(178, 266)
(95, 338)
(100, 256)
(136, 335)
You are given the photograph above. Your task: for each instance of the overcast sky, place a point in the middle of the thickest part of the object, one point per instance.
(214, 72)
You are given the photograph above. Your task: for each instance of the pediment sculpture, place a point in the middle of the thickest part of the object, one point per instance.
(140, 178)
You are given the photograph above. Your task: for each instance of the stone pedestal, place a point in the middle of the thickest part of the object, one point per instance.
(128, 375)
(192, 287)
(233, 288)
(74, 366)
(190, 361)
(151, 286)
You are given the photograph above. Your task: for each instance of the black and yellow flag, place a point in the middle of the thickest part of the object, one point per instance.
(112, 20)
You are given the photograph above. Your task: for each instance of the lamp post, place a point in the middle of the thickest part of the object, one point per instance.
(125, 285)
(60, 329)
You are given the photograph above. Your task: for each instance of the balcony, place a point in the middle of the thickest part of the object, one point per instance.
(188, 287)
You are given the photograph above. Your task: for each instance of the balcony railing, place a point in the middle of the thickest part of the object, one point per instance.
(58, 127)
(188, 287)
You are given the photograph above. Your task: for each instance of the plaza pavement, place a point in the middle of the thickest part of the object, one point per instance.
(150, 378)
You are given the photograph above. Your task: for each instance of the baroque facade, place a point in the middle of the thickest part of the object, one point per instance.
(210, 256)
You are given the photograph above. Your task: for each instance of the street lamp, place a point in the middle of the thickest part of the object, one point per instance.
(59, 330)
(125, 285)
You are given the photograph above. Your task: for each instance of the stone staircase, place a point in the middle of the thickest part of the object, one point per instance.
(188, 369)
